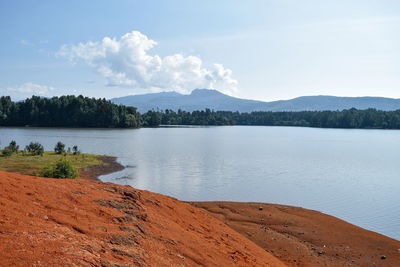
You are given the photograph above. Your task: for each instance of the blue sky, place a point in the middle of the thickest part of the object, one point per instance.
(265, 49)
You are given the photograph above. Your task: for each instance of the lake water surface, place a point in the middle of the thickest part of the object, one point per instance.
(351, 174)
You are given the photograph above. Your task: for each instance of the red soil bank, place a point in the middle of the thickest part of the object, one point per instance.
(301, 237)
(54, 222)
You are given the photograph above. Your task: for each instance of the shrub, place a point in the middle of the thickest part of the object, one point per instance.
(7, 152)
(10, 149)
(59, 148)
(75, 150)
(35, 148)
(13, 146)
(61, 169)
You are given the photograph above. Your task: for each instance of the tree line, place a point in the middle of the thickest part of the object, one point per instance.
(35, 149)
(79, 111)
(351, 118)
(66, 111)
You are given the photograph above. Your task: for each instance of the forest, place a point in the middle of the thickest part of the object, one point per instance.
(351, 118)
(79, 111)
(67, 111)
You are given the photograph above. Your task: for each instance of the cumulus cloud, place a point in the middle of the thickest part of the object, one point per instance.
(30, 89)
(126, 62)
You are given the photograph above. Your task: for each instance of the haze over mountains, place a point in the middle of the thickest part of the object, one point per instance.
(201, 99)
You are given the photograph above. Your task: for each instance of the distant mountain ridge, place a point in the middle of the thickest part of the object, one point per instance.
(201, 99)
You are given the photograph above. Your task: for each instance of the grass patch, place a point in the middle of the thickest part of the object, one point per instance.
(32, 164)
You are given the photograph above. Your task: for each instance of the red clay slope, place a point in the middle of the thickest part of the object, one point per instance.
(51, 222)
(306, 238)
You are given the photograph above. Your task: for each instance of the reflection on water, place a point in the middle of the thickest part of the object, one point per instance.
(352, 174)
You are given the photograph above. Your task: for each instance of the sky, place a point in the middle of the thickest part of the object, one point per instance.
(255, 49)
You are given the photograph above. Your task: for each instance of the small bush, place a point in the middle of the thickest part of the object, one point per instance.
(62, 169)
(35, 148)
(75, 150)
(7, 152)
(10, 149)
(13, 146)
(59, 148)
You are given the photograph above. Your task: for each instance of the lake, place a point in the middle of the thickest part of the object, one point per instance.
(351, 174)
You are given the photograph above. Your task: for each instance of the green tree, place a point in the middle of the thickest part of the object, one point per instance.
(59, 148)
(61, 169)
(35, 148)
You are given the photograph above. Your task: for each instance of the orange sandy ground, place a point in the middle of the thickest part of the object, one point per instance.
(301, 237)
(53, 222)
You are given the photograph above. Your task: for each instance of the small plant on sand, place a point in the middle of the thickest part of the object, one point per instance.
(61, 169)
(59, 148)
(35, 148)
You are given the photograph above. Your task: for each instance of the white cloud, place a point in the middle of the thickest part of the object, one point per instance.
(25, 42)
(30, 89)
(126, 62)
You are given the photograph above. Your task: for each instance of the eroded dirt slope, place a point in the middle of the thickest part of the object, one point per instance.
(301, 237)
(53, 222)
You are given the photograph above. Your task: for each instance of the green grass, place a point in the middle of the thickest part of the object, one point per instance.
(31, 165)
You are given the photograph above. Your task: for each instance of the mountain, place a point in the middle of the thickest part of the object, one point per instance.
(201, 99)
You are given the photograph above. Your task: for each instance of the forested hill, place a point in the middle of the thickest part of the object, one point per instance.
(200, 99)
(66, 111)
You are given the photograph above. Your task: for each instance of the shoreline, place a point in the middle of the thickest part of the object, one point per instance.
(78, 222)
(239, 233)
(296, 236)
(109, 165)
(303, 237)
